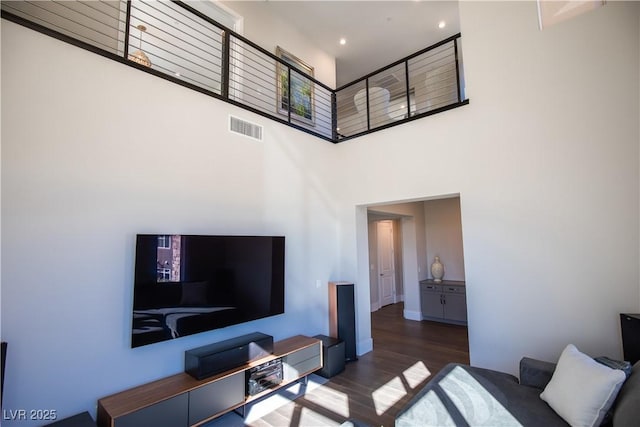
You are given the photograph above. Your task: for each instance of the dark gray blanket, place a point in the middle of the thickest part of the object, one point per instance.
(462, 395)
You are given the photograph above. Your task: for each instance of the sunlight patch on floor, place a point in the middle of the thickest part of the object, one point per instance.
(310, 417)
(388, 395)
(334, 400)
(282, 398)
(416, 374)
(282, 417)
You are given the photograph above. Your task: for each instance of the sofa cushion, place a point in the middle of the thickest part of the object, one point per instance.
(465, 395)
(536, 373)
(582, 390)
(626, 411)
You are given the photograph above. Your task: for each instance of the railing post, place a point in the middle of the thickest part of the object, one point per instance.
(226, 59)
(289, 94)
(366, 86)
(127, 26)
(406, 70)
(455, 49)
(334, 117)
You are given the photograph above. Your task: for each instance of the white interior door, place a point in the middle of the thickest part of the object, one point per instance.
(386, 265)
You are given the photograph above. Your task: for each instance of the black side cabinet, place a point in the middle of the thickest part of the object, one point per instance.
(630, 325)
(333, 356)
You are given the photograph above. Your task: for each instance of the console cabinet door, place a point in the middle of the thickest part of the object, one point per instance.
(431, 301)
(302, 362)
(455, 307)
(168, 413)
(216, 397)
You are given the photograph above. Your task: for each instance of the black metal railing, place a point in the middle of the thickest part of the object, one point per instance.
(424, 83)
(172, 40)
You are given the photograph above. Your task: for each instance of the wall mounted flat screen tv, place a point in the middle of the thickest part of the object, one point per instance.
(186, 284)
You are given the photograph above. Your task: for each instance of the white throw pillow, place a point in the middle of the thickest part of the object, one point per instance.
(582, 390)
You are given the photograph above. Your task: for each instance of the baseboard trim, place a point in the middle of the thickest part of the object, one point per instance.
(364, 346)
(375, 306)
(412, 315)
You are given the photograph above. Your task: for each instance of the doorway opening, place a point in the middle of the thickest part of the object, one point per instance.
(404, 239)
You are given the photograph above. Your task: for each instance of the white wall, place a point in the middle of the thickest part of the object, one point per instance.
(443, 228)
(545, 159)
(269, 31)
(94, 152)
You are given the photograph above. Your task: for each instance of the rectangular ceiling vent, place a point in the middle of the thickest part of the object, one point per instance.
(243, 127)
(388, 81)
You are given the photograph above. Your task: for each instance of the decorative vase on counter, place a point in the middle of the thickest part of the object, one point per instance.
(437, 270)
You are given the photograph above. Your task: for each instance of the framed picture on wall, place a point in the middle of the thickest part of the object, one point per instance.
(302, 88)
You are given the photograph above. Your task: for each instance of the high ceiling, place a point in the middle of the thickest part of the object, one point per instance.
(377, 33)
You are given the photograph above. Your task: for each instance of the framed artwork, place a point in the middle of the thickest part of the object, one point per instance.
(302, 88)
(551, 12)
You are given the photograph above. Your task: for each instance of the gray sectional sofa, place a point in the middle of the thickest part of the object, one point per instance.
(461, 395)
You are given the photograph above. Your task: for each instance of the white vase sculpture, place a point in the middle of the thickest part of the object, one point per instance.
(437, 270)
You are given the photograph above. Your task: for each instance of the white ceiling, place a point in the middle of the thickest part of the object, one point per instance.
(377, 32)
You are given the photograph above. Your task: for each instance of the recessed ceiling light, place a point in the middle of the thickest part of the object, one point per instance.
(442, 24)
(343, 41)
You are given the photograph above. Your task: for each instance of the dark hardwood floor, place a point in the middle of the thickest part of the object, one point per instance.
(373, 389)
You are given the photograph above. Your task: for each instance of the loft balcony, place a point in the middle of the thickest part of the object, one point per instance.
(174, 41)
(424, 83)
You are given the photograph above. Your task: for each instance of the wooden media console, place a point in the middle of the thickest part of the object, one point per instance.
(181, 400)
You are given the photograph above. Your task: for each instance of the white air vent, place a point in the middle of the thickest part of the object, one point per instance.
(243, 127)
